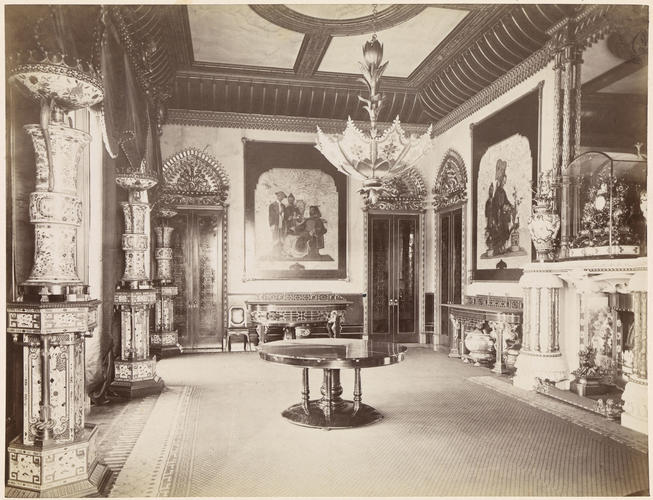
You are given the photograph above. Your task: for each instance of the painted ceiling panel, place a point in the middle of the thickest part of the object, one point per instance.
(335, 11)
(235, 34)
(422, 34)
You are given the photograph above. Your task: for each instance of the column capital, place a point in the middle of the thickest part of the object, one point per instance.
(540, 280)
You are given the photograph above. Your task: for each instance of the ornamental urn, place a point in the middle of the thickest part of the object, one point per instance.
(543, 225)
(480, 346)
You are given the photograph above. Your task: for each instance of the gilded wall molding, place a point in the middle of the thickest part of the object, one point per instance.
(221, 119)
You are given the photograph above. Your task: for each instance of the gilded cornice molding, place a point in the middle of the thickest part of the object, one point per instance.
(220, 119)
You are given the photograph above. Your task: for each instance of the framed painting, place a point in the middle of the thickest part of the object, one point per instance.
(505, 162)
(295, 213)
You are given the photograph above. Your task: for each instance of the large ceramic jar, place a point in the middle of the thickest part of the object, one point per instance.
(480, 346)
(543, 225)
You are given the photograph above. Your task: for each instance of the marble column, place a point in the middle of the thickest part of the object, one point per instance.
(540, 356)
(164, 340)
(135, 371)
(635, 395)
(56, 453)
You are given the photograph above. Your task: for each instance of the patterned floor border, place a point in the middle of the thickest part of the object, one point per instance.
(151, 469)
(595, 423)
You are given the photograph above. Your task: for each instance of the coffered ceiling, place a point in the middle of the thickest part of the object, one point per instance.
(302, 60)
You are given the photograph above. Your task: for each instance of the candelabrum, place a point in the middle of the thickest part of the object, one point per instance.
(135, 371)
(55, 455)
(164, 340)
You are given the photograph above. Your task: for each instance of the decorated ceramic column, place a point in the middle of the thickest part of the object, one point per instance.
(56, 453)
(635, 395)
(135, 370)
(540, 356)
(164, 339)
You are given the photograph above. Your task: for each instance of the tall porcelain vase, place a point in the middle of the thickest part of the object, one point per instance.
(543, 225)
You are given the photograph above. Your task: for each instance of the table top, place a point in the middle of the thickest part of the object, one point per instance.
(332, 353)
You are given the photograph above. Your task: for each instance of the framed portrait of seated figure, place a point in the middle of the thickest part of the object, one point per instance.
(505, 163)
(295, 213)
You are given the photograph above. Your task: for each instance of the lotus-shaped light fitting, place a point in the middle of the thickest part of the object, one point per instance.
(373, 52)
(369, 156)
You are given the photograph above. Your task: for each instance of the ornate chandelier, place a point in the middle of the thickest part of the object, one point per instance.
(371, 156)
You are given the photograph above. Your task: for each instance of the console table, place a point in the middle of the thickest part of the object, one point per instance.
(291, 310)
(501, 315)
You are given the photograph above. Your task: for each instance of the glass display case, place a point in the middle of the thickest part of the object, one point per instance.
(608, 205)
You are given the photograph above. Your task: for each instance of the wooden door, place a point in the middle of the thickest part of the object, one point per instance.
(392, 273)
(197, 264)
(450, 264)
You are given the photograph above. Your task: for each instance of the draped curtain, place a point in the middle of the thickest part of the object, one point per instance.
(131, 146)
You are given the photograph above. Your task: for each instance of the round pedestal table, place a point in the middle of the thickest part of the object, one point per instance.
(331, 355)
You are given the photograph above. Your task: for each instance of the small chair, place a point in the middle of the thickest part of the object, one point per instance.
(237, 327)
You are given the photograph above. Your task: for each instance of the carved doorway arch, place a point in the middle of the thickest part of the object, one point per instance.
(194, 195)
(404, 195)
(450, 209)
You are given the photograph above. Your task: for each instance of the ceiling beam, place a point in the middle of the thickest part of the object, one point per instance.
(615, 74)
(313, 48)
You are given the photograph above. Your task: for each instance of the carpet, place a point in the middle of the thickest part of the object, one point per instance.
(216, 430)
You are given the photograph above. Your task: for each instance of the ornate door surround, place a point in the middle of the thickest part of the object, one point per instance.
(449, 193)
(404, 194)
(195, 180)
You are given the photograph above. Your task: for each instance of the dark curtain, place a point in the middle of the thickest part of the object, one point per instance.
(130, 134)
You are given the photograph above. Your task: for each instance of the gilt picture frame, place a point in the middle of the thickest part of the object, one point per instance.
(295, 213)
(505, 162)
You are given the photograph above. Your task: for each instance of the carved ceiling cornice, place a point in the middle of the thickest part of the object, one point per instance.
(277, 97)
(290, 19)
(491, 55)
(494, 48)
(270, 122)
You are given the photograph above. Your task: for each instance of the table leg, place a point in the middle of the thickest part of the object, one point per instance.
(305, 391)
(331, 411)
(357, 390)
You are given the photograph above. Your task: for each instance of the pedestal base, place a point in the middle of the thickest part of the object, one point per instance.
(585, 387)
(635, 397)
(137, 388)
(66, 470)
(165, 344)
(166, 351)
(533, 365)
(341, 417)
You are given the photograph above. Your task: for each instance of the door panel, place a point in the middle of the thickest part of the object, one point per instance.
(197, 267)
(450, 264)
(208, 331)
(181, 269)
(393, 284)
(406, 285)
(380, 276)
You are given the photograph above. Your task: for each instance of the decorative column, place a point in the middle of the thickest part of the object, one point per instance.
(164, 341)
(56, 453)
(567, 114)
(635, 395)
(135, 371)
(540, 356)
